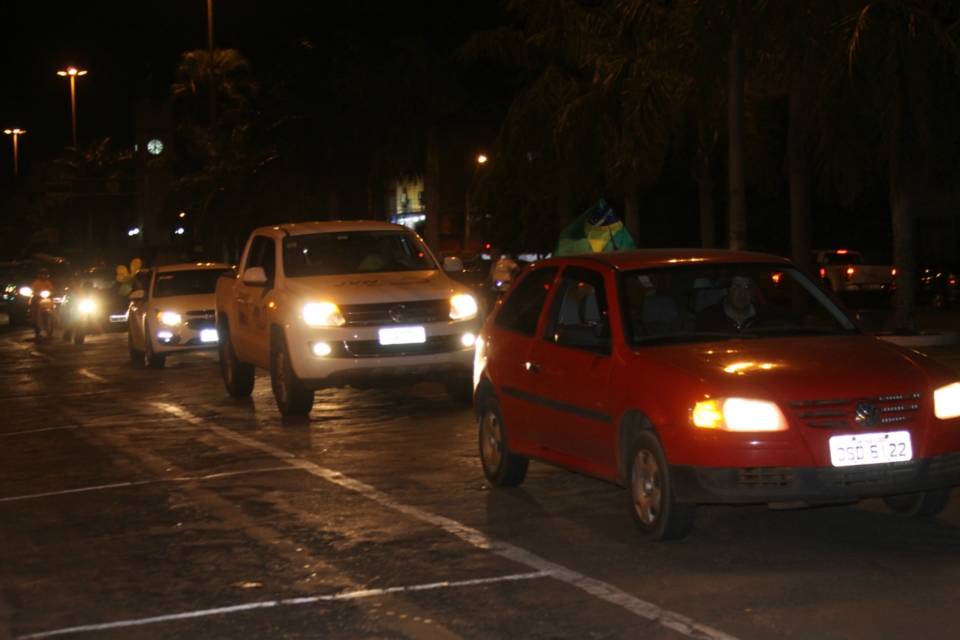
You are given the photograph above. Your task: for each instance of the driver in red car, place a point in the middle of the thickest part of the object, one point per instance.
(737, 310)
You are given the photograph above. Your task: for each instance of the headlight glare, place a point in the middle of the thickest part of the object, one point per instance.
(26, 292)
(87, 306)
(946, 401)
(738, 414)
(168, 318)
(322, 314)
(462, 307)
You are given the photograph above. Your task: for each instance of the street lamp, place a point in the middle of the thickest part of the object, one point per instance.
(72, 73)
(15, 133)
(466, 223)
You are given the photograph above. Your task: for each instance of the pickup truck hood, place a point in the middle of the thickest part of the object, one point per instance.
(372, 288)
(803, 368)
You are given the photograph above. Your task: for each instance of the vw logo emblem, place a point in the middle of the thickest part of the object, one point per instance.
(398, 313)
(866, 414)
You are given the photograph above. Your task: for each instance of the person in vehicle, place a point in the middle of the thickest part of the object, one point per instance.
(385, 259)
(737, 310)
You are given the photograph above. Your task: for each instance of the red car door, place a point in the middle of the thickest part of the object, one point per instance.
(570, 364)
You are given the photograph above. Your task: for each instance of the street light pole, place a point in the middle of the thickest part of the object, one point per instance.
(72, 73)
(15, 133)
(466, 223)
(213, 93)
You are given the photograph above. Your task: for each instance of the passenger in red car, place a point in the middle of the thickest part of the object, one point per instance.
(736, 311)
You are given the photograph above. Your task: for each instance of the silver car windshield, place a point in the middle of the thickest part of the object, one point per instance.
(689, 303)
(186, 283)
(348, 252)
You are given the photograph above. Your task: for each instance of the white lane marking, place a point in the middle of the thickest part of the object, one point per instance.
(597, 588)
(351, 595)
(42, 355)
(91, 375)
(137, 483)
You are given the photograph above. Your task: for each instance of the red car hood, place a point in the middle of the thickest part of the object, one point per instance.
(804, 368)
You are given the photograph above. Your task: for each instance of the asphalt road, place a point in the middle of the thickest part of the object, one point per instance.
(141, 503)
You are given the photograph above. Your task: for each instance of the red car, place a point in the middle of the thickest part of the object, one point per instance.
(709, 376)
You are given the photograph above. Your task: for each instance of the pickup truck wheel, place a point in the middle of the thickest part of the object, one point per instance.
(460, 390)
(502, 468)
(922, 504)
(135, 354)
(293, 399)
(655, 511)
(238, 377)
(154, 360)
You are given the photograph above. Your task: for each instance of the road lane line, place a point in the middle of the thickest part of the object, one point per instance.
(34, 352)
(351, 595)
(137, 483)
(91, 375)
(596, 588)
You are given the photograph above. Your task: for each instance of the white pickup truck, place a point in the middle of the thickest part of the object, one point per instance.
(332, 304)
(844, 270)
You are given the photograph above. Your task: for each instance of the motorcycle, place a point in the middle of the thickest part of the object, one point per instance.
(45, 317)
(84, 322)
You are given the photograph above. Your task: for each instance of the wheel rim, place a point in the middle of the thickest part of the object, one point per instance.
(645, 486)
(491, 442)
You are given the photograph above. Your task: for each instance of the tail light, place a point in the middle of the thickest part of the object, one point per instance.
(850, 272)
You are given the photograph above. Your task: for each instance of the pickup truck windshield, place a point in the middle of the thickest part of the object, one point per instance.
(694, 303)
(348, 252)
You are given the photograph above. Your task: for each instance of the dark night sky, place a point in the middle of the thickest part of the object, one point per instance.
(131, 49)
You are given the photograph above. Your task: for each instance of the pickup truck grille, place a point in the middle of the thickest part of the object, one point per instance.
(838, 414)
(373, 349)
(374, 315)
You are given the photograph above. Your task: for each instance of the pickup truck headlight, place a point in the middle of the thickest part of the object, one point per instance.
(738, 414)
(946, 401)
(322, 314)
(169, 318)
(87, 306)
(462, 307)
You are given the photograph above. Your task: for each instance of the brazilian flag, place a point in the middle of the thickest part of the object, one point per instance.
(596, 229)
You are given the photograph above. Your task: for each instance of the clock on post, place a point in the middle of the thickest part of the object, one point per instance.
(155, 146)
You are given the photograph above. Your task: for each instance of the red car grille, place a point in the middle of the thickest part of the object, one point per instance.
(838, 414)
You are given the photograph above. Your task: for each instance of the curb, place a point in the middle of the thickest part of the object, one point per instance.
(923, 340)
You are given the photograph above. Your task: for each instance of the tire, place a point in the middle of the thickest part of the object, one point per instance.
(460, 390)
(922, 504)
(238, 377)
(293, 399)
(655, 511)
(78, 336)
(154, 360)
(502, 468)
(135, 354)
(46, 324)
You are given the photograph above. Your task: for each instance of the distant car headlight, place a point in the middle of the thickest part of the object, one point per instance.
(87, 306)
(169, 318)
(322, 314)
(946, 401)
(26, 292)
(462, 307)
(738, 414)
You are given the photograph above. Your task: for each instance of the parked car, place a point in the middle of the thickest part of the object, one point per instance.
(939, 285)
(174, 312)
(709, 376)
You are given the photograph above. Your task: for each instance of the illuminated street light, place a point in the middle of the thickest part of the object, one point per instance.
(466, 223)
(133, 232)
(15, 133)
(72, 73)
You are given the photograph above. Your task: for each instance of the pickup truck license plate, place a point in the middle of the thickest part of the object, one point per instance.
(870, 448)
(403, 335)
(208, 335)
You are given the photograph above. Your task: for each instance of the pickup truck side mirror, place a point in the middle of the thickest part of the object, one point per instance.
(137, 295)
(255, 277)
(452, 263)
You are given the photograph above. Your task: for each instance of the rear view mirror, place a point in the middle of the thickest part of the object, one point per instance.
(452, 263)
(255, 277)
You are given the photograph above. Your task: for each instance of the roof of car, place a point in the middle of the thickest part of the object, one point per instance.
(191, 266)
(333, 226)
(638, 258)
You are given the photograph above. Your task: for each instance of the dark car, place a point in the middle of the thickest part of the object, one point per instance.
(939, 285)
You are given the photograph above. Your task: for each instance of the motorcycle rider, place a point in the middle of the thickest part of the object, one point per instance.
(42, 283)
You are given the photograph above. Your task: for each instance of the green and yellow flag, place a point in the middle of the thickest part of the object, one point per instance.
(596, 229)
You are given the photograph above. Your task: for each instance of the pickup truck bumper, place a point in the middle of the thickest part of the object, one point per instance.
(357, 358)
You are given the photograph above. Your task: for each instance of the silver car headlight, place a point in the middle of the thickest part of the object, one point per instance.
(462, 307)
(169, 318)
(738, 414)
(322, 314)
(946, 401)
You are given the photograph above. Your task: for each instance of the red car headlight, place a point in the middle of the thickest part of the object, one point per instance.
(738, 414)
